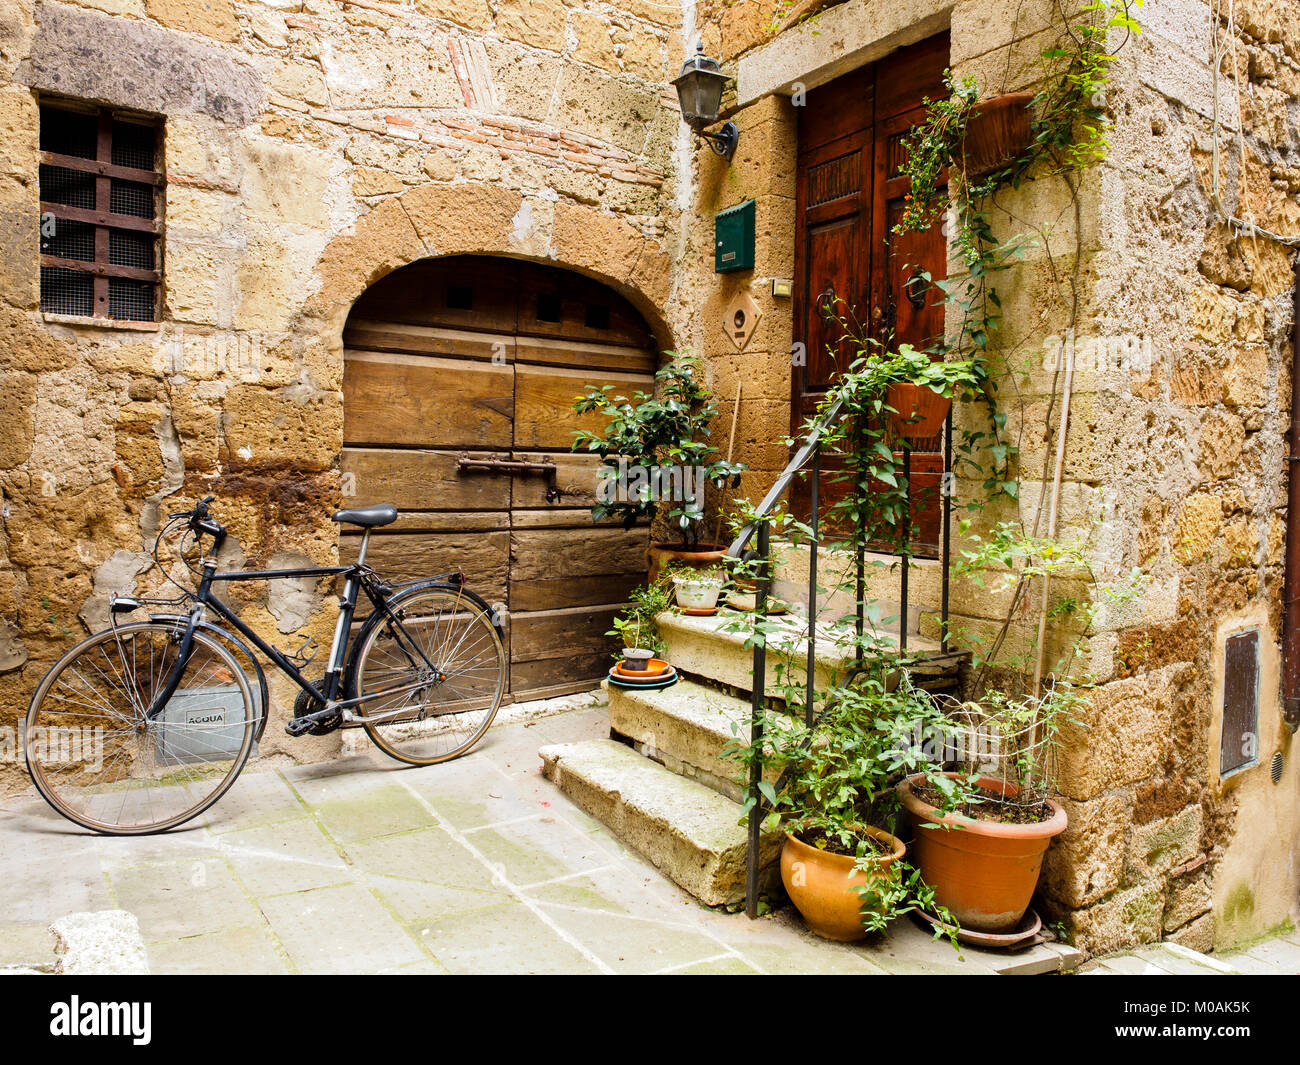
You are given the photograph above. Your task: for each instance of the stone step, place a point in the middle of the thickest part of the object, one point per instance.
(688, 831)
(704, 647)
(686, 728)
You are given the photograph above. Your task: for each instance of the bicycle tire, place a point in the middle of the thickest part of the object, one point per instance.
(171, 767)
(449, 715)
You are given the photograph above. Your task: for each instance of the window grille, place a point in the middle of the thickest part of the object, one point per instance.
(101, 186)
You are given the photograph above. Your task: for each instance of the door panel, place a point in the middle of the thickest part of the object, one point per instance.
(419, 401)
(486, 357)
(846, 212)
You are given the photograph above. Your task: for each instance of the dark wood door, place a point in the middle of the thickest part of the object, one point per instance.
(484, 357)
(849, 263)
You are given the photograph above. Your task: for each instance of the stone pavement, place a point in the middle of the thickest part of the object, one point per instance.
(1278, 956)
(361, 866)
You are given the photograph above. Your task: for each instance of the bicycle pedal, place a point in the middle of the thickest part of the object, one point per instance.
(297, 726)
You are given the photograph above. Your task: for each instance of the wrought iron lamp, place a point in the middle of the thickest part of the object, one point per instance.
(699, 91)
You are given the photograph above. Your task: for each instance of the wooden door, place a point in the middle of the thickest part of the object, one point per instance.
(849, 197)
(483, 358)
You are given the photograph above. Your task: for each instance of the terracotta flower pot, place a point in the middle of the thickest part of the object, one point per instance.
(984, 872)
(660, 555)
(820, 885)
(921, 410)
(996, 132)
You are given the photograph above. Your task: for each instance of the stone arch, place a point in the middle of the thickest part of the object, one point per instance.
(475, 219)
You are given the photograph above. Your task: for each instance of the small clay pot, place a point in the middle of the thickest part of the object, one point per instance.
(820, 884)
(996, 132)
(636, 659)
(984, 872)
(921, 410)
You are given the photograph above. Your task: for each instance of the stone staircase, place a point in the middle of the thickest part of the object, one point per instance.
(662, 783)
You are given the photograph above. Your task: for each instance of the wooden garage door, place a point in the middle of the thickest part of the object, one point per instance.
(483, 358)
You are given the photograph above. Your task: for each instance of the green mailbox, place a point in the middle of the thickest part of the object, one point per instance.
(733, 238)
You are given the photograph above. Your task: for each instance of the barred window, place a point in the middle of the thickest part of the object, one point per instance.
(101, 208)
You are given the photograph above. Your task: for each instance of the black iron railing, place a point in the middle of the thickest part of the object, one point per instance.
(809, 454)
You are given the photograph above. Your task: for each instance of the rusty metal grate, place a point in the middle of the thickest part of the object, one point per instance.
(67, 292)
(100, 190)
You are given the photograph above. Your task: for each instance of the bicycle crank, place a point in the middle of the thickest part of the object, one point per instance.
(310, 717)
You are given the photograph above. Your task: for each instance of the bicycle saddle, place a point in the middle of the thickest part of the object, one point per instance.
(368, 517)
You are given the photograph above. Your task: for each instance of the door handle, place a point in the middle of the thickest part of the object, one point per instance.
(466, 463)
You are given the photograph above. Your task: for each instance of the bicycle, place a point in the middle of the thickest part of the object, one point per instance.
(144, 725)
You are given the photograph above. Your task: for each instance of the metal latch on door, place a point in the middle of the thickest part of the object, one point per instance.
(505, 464)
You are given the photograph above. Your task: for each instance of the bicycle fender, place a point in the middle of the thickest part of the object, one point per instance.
(241, 646)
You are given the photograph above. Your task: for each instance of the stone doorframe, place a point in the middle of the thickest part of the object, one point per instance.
(470, 218)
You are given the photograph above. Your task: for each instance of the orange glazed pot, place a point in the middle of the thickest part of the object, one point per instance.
(984, 872)
(821, 885)
(921, 410)
(660, 555)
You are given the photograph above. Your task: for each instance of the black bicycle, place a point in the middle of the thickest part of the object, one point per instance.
(143, 726)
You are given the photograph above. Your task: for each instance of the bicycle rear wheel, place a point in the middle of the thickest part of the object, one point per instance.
(101, 761)
(447, 653)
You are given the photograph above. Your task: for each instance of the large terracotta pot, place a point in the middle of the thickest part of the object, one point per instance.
(921, 410)
(984, 872)
(661, 555)
(996, 133)
(821, 885)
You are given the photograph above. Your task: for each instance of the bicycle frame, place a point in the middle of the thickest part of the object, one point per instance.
(357, 576)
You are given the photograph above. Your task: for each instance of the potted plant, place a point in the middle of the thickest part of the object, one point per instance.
(836, 798)
(983, 857)
(697, 588)
(656, 460)
(635, 626)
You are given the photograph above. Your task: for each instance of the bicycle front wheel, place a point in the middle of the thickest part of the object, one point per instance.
(103, 760)
(432, 677)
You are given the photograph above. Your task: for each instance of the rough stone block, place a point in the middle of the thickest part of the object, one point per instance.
(1158, 846)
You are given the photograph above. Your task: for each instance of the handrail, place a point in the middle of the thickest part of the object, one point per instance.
(809, 447)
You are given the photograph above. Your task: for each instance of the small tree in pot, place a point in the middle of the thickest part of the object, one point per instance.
(657, 460)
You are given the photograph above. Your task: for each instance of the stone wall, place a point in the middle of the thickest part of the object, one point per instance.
(310, 148)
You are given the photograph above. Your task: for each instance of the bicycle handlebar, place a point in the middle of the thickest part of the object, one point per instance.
(200, 521)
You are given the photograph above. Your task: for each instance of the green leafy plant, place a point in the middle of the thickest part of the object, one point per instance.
(841, 774)
(647, 434)
(635, 623)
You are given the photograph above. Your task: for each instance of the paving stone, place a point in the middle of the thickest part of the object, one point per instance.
(285, 857)
(542, 848)
(355, 813)
(234, 950)
(416, 900)
(430, 855)
(46, 889)
(473, 795)
(306, 924)
(729, 966)
(26, 943)
(256, 798)
(633, 945)
(183, 899)
(508, 939)
(633, 889)
(1278, 952)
